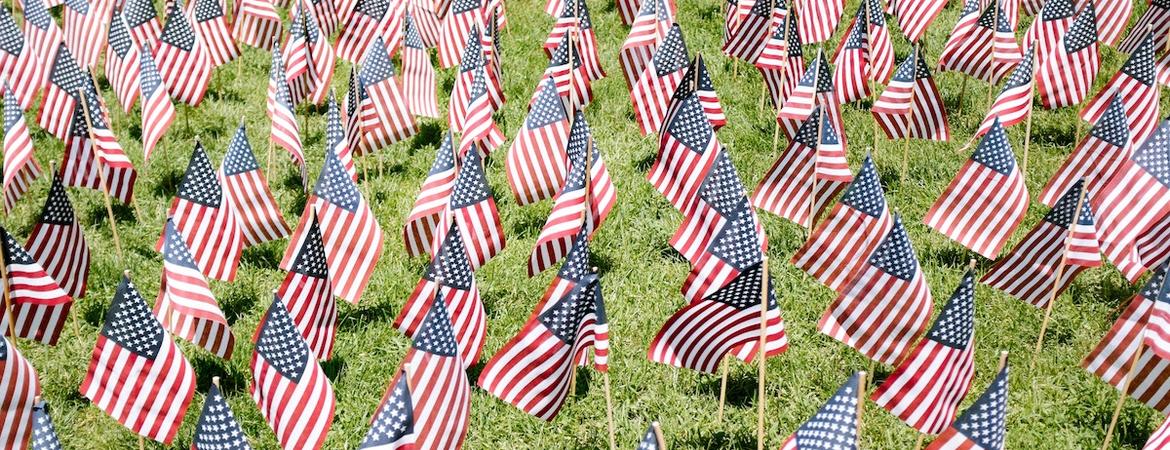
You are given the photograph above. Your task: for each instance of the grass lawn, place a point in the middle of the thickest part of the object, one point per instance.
(1055, 406)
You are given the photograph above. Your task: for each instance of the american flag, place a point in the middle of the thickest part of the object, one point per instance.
(835, 424)
(91, 146)
(392, 427)
(39, 305)
(217, 427)
(1157, 333)
(84, 31)
(183, 60)
(1066, 75)
(352, 236)
(285, 131)
(18, 383)
(352, 115)
(324, 12)
(462, 17)
(157, 110)
(122, 66)
(58, 243)
(1160, 438)
(479, 128)
(1112, 18)
(1134, 199)
(914, 17)
(185, 305)
(211, 26)
(419, 231)
(982, 426)
(18, 61)
(752, 32)
(881, 50)
(652, 92)
(1097, 158)
(887, 304)
(315, 84)
(686, 151)
(19, 167)
(449, 279)
(814, 88)
(44, 434)
(818, 19)
(704, 88)
(336, 140)
(808, 175)
(532, 371)
(986, 49)
(418, 74)
(957, 44)
(206, 220)
(307, 291)
(834, 252)
(137, 374)
(575, 16)
(925, 390)
(912, 106)
(44, 36)
(297, 58)
(439, 389)
(851, 77)
(650, 440)
(392, 23)
(781, 60)
(1137, 87)
(474, 210)
(648, 29)
(572, 83)
(584, 201)
(426, 19)
(1047, 29)
(255, 23)
(1152, 244)
(60, 100)
(473, 62)
(536, 161)
(987, 199)
(364, 24)
(700, 334)
(142, 21)
(290, 388)
(1111, 358)
(1155, 21)
(1014, 103)
(1057, 245)
(386, 117)
(246, 189)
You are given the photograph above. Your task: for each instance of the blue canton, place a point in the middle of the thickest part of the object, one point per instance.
(11, 39)
(895, 256)
(548, 108)
(994, 151)
(671, 55)
(177, 31)
(310, 258)
(1083, 32)
(281, 345)
(1022, 74)
(1056, 10)
(58, 210)
(865, 193)
(239, 158)
(471, 185)
(956, 323)
(834, 426)
(1061, 213)
(149, 78)
(131, 324)
(444, 156)
(200, 184)
(44, 433)
(138, 12)
(435, 336)
(217, 428)
(1140, 65)
(1154, 154)
(174, 250)
(689, 126)
(744, 291)
(450, 266)
(395, 418)
(563, 318)
(335, 186)
(983, 422)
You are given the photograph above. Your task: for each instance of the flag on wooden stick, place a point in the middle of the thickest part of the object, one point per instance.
(19, 63)
(19, 168)
(142, 21)
(158, 113)
(912, 106)
(246, 188)
(419, 230)
(1097, 158)
(39, 306)
(836, 421)
(206, 220)
(808, 175)
(18, 382)
(982, 426)
(254, 23)
(1014, 103)
(122, 63)
(1137, 87)
(1065, 77)
(58, 243)
(183, 59)
(185, 304)
(308, 293)
(652, 92)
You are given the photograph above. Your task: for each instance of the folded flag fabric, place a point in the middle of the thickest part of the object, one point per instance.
(58, 243)
(245, 187)
(835, 422)
(18, 382)
(982, 426)
(185, 305)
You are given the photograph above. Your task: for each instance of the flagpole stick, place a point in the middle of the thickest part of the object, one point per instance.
(962, 94)
(861, 380)
(658, 435)
(783, 80)
(1028, 133)
(906, 139)
(1003, 359)
(869, 48)
(7, 298)
(1122, 395)
(761, 352)
(812, 180)
(918, 443)
(1055, 292)
(722, 390)
(141, 443)
(101, 177)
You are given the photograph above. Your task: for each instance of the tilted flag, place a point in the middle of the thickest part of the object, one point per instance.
(308, 293)
(809, 174)
(84, 30)
(255, 23)
(987, 49)
(1047, 29)
(91, 146)
(835, 423)
(648, 29)
(19, 167)
(212, 29)
(137, 374)
(652, 92)
(142, 21)
(925, 390)
(418, 75)
(386, 117)
(185, 304)
(533, 370)
(18, 382)
(290, 388)
(1137, 87)
(782, 60)
(158, 113)
(881, 50)
(392, 427)
(912, 106)
(914, 17)
(1112, 18)
(987, 199)
(217, 427)
(39, 306)
(478, 127)
(431, 202)
(461, 18)
(439, 389)
(1065, 77)
(748, 39)
(473, 207)
(246, 189)
(285, 131)
(58, 243)
(1014, 103)
(851, 75)
(19, 63)
(325, 14)
(574, 20)
(352, 114)
(687, 149)
(818, 19)
(1155, 22)
(1098, 157)
(536, 162)
(43, 35)
(704, 88)
(982, 426)
(183, 59)
(470, 65)
(313, 84)
(426, 17)
(122, 66)
(1160, 438)
(572, 83)
(814, 88)
(61, 93)
(365, 23)
(887, 305)
(206, 220)
(958, 42)
(854, 228)
(44, 433)
(1157, 334)
(336, 141)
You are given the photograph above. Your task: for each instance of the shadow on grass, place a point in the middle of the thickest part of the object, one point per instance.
(168, 183)
(263, 256)
(430, 134)
(718, 439)
(94, 311)
(1061, 136)
(97, 214)
(951, 256)
(237, 303)
(207, 366)
(742, 388)
(366, 316)
(474, 371)
(333, 368)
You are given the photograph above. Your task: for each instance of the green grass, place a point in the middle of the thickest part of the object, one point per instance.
(1055, 406)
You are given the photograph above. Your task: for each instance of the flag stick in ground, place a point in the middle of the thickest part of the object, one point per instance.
(722, 392)
(860, 400)
(1056, 278)
(101, 177)
(605, 376)
(910, 116)
(918, 443)
(962, 91)
(658, 434)
(8, 300)
(269, 170)
(1028, 135)
(783, 80)
(1123, 394)
(812, 192)
(761, 353)
(1003, 355)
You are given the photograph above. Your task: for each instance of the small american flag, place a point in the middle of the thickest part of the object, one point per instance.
(364, 24)
(43, 34)
(852, 61)
(44, 435)
(532, 371)
(702, 87)
(1160, 438)
(158, 113)
(58, 243)
(91, 146)
(290, 388)
(352, 236)
(314, 83)
(307, 291)
(648, 29)
(19, 168)
(652, 92)
(1137, 87)
(137, 374)
(84, 31)
(1112, 18)
(392, 427)
(474, 61)
(255, 23)
(1066, 75)
(474, 209)
(572, 83)
(986, 49)
(1157, 333)
(818, 19)
(478, 127)
(392, 26)
(1047, 29)
(20, 387)
(1156, 19)
(183, 60)
(1014, 103)
(809, 174)
(211, 26)
(987, 199)
(982, 426)
(297, 58)
(462, 17)
(418, 74)
(912, 106)
(1097, 158)
(285, 131)
(449, 280)
(386, 117)
(19, 62)
(650, 440)
(335, 139)
(575, 16)
(881, 50)
(925, 390)
(60, 100)
(206, 220)
(419, 231)
(887, 305)
(426, 19)
(122, 63)
(914, 17)
(752, 32)
(957, 42)
(142, 21)
(39, 306)
(246, 188)
(439, 389)
(835, 423)
(324, 12)
(352, 115)
(855, 227)
(217, 427)
(185, 305)
(781, 60)
(536, 161)
(686, 151)
(814, 88)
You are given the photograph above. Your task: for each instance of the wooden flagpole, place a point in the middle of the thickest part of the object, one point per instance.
(761, 353)
(1123, 394)
(1059, 273)
(658, 435)
(861, 382)
(906, 139)
(7, 295)
(783, 80)
(101, 177)
(812, 180)
(1003, 359)
(962, 94)
(1028, 132)
(722, 390)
